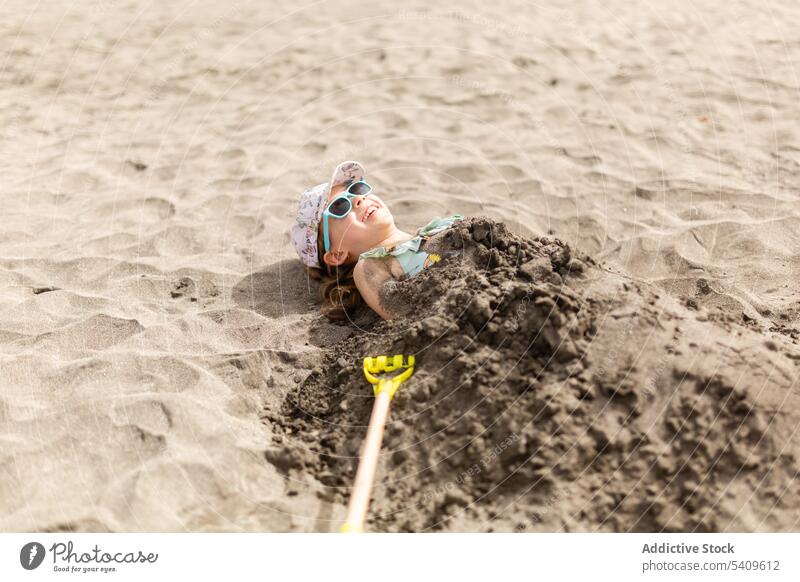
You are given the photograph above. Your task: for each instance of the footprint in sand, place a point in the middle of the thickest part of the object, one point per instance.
(148, 415)
(185, 287)
(465, 173)
(149, 209)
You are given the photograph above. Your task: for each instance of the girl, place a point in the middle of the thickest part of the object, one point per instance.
(347, 238)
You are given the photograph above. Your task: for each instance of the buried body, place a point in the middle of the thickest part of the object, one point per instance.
(551, 394)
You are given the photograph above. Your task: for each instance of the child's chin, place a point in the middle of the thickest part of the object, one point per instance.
(384, 217)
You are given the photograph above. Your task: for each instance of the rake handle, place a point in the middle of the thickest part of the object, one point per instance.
(365, 475)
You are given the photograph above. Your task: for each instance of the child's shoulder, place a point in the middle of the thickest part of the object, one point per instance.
(373, 273)
(387, 264)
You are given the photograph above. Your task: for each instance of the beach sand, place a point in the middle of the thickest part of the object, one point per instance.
(158, 333)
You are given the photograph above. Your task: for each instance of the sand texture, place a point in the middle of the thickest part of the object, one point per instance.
(612, 344)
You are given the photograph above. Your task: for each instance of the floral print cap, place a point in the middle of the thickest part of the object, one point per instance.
(312, 204)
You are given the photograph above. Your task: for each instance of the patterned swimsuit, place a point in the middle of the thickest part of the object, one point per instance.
(408, 254)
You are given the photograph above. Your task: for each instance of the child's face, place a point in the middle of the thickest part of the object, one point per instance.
(364, 227)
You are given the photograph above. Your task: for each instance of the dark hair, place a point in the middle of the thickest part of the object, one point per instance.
(337, 288)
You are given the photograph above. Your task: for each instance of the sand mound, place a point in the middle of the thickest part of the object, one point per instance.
(518, 416)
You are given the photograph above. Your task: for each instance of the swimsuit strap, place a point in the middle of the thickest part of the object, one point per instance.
(438, 224)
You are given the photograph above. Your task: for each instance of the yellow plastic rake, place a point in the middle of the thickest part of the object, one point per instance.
(384, 389)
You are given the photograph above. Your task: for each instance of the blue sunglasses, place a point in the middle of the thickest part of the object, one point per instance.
(341, 206)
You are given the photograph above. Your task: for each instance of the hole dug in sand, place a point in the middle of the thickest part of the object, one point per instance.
(549, 394)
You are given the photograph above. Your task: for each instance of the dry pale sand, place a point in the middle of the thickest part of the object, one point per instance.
(151, 306)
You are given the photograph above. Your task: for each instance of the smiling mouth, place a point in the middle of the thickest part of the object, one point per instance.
(369, 213)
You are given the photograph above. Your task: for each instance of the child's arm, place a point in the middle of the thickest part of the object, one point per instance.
(371, 276)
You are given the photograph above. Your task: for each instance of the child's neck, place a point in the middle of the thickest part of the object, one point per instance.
(397, 236)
